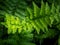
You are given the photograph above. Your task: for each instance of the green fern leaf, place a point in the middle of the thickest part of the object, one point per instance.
(42, 10)
(36, 10)
(30, 12)
(39, 25)
(47, 9)
(44, 24)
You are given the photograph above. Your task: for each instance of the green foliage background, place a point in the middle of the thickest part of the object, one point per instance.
(29, 22)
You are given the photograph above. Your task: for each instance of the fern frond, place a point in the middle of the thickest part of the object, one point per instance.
(44, 16)
(36, 18)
